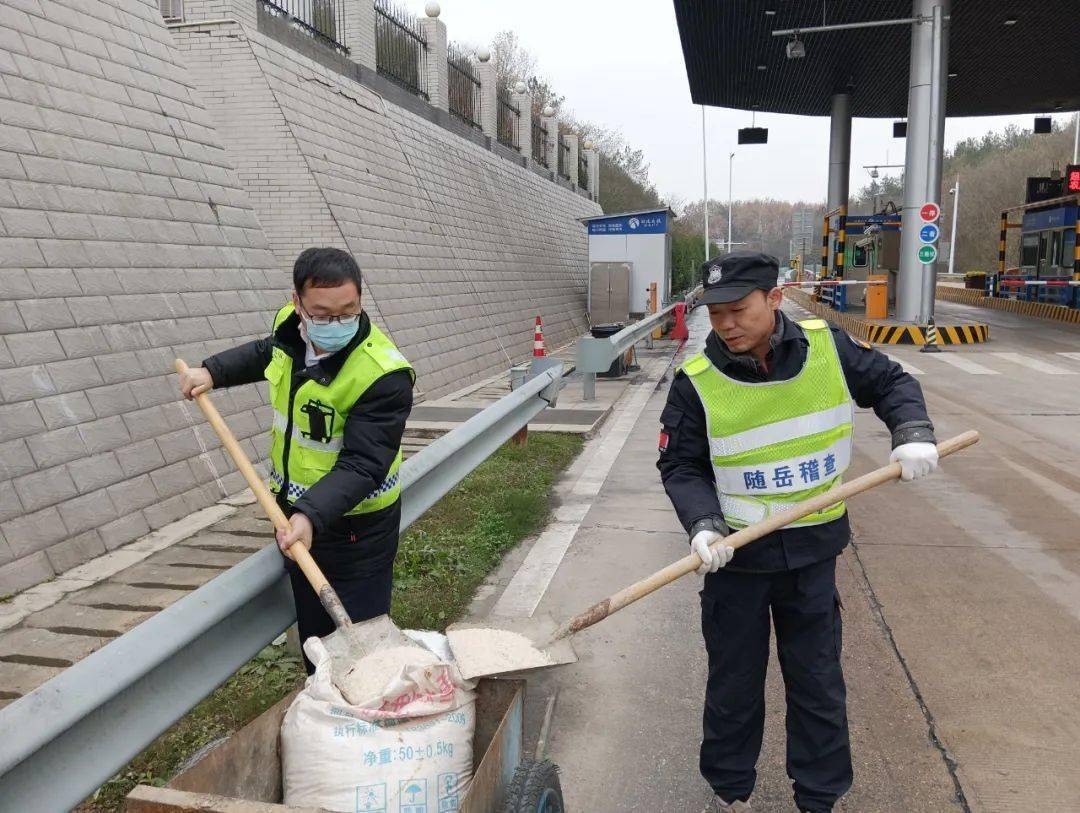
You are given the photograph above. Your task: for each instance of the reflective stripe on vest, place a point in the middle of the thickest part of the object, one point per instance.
(296, 490)
(774, 444)
(318, 417)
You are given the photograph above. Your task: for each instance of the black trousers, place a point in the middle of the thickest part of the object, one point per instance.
(357, 557)
(805, 607)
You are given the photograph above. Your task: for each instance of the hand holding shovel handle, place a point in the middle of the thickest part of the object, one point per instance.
(299, 553)
(688, 564)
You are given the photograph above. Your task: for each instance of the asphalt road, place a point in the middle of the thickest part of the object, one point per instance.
(961, 594)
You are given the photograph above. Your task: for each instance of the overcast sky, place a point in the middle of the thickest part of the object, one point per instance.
(621, 65)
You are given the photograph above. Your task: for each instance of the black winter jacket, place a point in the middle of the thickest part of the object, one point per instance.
(373, 432)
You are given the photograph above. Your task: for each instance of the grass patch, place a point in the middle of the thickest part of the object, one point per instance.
(448, 551)
(446, 554)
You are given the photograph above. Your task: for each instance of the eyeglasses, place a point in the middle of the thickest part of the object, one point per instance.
(346, 319)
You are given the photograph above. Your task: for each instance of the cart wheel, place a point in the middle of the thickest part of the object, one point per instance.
(535, 789)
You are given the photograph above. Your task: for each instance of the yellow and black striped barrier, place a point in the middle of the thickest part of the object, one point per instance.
(1039, 310)
(875, 333)
(917, 334)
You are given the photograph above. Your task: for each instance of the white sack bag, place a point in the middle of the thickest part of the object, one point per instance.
(408, 752)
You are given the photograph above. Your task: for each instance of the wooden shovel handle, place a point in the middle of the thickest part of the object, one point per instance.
(327, 595)
(690, 563)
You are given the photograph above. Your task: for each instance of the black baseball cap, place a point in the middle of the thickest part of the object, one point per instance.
(732, 276)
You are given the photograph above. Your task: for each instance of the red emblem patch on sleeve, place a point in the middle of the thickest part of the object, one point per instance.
(663, 442)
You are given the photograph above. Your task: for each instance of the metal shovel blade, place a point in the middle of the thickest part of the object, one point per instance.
(497, 646)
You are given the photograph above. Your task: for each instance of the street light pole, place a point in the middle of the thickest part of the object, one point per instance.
(730, 165)
(705, 181)
(952, 238)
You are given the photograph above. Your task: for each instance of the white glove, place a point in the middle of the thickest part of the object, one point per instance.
(916, 460)
(711, 559)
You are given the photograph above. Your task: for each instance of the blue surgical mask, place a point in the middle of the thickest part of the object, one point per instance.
(331, 337)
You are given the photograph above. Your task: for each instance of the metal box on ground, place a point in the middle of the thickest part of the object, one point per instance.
(877, 297)
(242, 774)
(609, 292)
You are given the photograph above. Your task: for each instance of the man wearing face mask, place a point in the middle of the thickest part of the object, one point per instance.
(341, 393)
(759, 421)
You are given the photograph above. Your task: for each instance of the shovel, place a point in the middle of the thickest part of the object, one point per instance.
(496, 646)
(350, 642)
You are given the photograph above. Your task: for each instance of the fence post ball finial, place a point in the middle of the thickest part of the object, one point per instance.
(519, 87)
(432, 9)
(483, 54)
(549, 111)
(588, 144)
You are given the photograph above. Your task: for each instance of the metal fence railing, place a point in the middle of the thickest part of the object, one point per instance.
(582, 171)
(322, 19)
(564, 158)
(464, 85)
(400, 47)
(65, 738)
(509, 118)
(539, 143)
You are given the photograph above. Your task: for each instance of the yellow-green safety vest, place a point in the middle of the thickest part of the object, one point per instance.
(774, 444)
(308, 433)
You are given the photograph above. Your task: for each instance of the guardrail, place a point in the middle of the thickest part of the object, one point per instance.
(597, 355)
(67, 737)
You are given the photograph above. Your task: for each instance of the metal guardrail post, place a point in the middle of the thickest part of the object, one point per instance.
(588, 389)
(68, 736)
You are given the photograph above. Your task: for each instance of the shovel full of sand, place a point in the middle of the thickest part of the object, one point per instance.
(499, 645)
(351, 643)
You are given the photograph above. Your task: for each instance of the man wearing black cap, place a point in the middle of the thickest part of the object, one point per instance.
(759, 421)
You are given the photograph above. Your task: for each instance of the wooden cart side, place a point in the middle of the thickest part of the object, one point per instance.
(243, 773)
(499, 733)
(148, 799)
(247, 765)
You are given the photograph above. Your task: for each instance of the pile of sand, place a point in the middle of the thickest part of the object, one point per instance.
(485, 651)
(368, 677)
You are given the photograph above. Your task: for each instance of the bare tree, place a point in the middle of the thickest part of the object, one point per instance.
(624, 172)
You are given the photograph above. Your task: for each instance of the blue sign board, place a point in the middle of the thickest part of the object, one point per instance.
(647, 223)
(885, 222)
(1062, 217)
(928, 233)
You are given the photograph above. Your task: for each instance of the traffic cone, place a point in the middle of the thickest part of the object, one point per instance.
(538, 340)
(680, 332)
(931, 345)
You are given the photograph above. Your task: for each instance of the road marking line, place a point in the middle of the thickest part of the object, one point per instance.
(1073, 356)
(908, 367)
(961, 363)
(1034, 364)
(530, 582)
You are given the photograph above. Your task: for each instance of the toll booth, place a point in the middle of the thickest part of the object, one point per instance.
(1049, 263)
(872, 248)
(628, 253)
(861, 247)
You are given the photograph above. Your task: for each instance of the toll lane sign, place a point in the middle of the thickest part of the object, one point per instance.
(927, 254)
(929, 233)
(930, 212)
